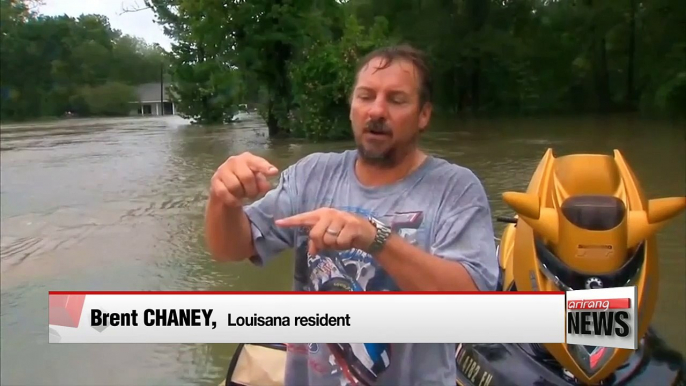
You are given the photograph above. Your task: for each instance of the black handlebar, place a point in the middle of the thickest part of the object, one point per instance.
(506, 219)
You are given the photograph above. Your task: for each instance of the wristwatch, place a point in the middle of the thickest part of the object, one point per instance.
(383, 232)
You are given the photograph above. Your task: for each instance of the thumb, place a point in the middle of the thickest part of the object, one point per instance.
(270, 170)
(262, 184)
(311, 248)
(261, 165)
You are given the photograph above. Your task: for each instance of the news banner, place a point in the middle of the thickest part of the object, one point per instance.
(600, 317)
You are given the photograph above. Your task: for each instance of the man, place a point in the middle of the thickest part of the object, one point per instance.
(397, 218)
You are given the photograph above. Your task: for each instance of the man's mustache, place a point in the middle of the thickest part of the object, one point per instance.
(378, 126)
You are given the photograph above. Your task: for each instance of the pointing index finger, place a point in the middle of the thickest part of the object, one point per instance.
(303, 219)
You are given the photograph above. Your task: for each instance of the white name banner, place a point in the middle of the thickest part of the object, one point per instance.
(241, 317)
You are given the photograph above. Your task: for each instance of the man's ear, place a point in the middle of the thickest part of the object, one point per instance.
(425, 116)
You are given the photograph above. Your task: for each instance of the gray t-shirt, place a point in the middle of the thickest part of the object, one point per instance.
(441, 208)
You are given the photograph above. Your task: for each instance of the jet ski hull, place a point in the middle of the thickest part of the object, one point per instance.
(654, 363)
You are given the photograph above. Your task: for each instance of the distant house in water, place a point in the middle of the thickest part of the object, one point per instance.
(153, 99)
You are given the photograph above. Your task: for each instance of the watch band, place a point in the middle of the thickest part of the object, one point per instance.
(383, 232)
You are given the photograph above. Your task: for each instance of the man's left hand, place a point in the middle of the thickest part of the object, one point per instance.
(333, 229)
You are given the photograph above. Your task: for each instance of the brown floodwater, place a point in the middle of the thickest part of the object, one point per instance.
(117, 204)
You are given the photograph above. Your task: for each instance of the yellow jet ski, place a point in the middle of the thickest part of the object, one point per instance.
(584, 222)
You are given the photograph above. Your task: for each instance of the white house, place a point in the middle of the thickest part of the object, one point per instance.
(153, 99)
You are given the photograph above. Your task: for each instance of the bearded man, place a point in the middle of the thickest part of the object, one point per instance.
(383, 217)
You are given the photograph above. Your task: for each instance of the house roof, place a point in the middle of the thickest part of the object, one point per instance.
(150, 92)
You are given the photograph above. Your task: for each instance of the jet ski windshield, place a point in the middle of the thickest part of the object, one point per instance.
(596, 213)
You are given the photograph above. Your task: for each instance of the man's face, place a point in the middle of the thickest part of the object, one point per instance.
(385, 111)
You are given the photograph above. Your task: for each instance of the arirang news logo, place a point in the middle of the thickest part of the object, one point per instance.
(602, 317)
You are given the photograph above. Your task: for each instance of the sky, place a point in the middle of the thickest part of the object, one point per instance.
(141, 24)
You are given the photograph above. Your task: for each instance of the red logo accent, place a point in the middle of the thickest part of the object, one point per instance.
(599, 304)
(65, 310)
(595, 357)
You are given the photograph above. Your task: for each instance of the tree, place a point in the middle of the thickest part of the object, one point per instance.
(47, 62)
(489, 57)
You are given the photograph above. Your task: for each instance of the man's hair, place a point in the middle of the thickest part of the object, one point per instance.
(403, 52)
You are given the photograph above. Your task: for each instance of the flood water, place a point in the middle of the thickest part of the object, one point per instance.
(117, 204)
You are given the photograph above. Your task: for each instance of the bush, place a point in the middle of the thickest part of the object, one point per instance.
(321, 80)
(670, 98)
(109, 99)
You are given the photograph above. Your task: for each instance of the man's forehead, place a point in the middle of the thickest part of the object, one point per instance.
(398, 72)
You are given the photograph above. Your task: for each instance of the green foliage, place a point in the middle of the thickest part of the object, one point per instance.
(322, 80)
(296, 59)
(109, 99)
(670, 97)
(260, 38)
(206, 93)
(48, 64)
(205, 84)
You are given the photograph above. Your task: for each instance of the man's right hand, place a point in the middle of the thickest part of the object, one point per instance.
(239, 177)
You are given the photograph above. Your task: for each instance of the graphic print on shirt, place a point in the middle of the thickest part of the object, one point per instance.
(352, 270)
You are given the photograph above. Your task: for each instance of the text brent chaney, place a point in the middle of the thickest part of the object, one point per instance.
(202, 317)
(194, 317)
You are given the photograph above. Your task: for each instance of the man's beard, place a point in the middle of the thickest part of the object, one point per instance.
(384, 158)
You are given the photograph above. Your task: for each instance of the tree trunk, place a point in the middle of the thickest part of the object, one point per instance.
(475, 89)
(630, 92)
(462, 93)
(603, 78)
(478, 15)
(272, 120)
(280, 89)
(599, 64)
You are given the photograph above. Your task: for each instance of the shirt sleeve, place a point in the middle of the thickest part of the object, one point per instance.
(465, 234)
(281, 202)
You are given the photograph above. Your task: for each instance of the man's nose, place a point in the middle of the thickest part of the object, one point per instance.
(378, 109)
